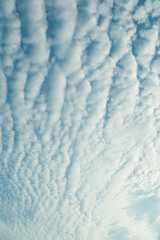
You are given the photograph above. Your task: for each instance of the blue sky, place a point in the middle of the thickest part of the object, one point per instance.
(79, 119)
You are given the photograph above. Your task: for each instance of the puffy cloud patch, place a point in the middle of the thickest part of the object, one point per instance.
(79, 123)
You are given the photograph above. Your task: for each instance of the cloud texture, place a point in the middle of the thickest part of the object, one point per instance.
(80, 119)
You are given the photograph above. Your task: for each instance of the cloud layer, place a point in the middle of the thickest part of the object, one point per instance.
(80, 119)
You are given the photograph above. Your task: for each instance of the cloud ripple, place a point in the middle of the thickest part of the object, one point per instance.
(80, 105)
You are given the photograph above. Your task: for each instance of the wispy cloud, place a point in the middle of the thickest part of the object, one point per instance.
(79, 125)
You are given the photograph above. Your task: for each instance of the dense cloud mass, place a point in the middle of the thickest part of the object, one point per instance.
(80, 119)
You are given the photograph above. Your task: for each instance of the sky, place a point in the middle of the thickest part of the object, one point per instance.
(79, 119)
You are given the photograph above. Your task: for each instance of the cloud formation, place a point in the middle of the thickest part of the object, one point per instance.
(79, 124)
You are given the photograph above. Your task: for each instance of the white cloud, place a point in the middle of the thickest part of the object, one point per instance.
(147, 41)
(155, 65)
(56, 87)
(80, 121)
(62, 16)
(152, 7)
(3, 88)
(121, 40)
(7, 8)
(5, 233)
(72, 60)
(140, 14)
(129, 5)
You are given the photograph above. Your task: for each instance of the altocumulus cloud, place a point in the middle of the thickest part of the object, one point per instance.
(80, 119)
